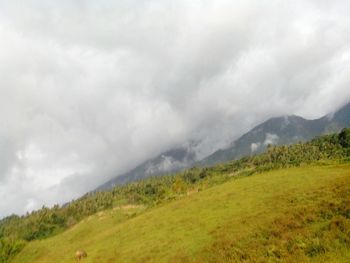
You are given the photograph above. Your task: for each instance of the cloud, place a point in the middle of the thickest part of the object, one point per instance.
(271, 138)
(255, 146)
(167, 164)
(91, 89)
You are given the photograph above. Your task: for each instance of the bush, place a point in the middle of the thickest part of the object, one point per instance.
(9, 248)
(344, 137)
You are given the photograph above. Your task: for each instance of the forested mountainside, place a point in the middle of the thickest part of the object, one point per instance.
(276, 131)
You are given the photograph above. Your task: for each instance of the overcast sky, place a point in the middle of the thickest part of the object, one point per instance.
(89, 89)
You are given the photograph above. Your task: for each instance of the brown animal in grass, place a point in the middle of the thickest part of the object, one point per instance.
(80, 254)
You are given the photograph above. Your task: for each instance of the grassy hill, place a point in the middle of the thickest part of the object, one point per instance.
(287, 215)
(289, 204)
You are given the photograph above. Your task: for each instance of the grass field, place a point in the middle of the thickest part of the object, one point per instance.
(289, 215)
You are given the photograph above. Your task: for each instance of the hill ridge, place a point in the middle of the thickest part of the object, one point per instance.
(247, 144)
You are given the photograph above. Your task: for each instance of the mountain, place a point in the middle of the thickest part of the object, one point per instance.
(200, 211)
(171, 161)
(280, 130)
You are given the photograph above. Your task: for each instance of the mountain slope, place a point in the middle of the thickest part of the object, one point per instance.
(171, 161)
(270, 217)
(322, 217)
(281, 130)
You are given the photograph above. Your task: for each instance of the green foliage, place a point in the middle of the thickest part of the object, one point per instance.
(311, 228)
(47, 222)
(9, 248)
(285, 215)
(179, 186)
(344, 138)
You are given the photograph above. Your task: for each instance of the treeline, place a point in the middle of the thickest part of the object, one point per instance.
(16, 231)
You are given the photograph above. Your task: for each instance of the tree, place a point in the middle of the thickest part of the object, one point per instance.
(179, 185)
(344, 138)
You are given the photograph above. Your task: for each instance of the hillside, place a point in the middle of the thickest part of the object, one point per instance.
(288, 215)
(171, 161)
(277, 131)
(141, 199)
(280, 130)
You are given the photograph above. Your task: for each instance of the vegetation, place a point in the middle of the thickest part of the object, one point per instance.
(287, 215)
(18, 232)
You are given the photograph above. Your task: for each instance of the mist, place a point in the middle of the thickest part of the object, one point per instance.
(89, 90)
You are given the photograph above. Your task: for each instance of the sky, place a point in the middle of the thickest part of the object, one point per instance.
(90, 89)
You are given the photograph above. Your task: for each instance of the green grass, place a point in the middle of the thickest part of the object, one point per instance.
(288, 215)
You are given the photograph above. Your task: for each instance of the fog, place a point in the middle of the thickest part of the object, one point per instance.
(90, 89)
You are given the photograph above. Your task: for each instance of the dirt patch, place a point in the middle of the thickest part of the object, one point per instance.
(191, 192)
(128, 207)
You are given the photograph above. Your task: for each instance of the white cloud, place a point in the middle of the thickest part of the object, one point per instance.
(95, 88)
(166, 165)
(255, 146)
(271, 139)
